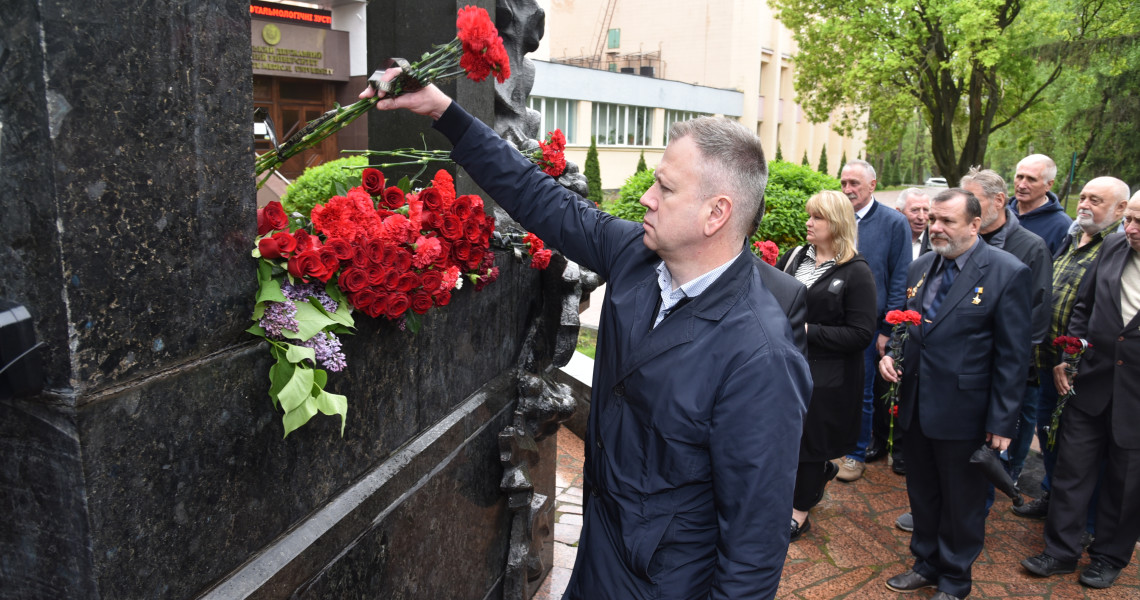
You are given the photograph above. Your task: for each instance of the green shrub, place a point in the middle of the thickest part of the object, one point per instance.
(319, 183)
(641, 166)
(627, 205)
(593, 172)
(789, 187)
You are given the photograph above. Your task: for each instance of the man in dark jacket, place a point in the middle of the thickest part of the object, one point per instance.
(1000, 229)
(962, 382)
(1036, 206)
(1102, 421)
(698, 392)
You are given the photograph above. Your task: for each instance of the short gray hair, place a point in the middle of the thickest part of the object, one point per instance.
(733, 164)
(900, 202)
(1050, 172)
(862, 164)
(991, 183)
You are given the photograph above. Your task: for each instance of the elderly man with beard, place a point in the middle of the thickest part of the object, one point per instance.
(1102, 421)
(1101, 206)
(961, 386)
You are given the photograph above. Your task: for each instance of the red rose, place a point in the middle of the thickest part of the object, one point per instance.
(306, 241)
(476, 258)
(391, 279)
(462, 207)
(398, 304)
(421, 302)
(403, 260)
(461, 250)
(393, 197)
(430, 219)
(376, 250)
(443, 298)
(432, 280)
(269, 248)
(270, 217)
(379, 306)
(376, 273)
(306, 264)
(432, 199)
(473, 232)
(373, 181)
(353, 280)
(363, 299)
(341, 248)
(452, 227)
(540, 260)
(286, 243)
(329, 259)
(360, 258)
(408, 282)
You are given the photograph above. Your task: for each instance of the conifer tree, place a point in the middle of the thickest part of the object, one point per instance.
(842, 163)
(641, 163)
(804, 162)
(593, 172)
(823, 160)
(779, 153)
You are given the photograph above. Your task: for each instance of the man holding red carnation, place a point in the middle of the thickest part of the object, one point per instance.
(698, 393)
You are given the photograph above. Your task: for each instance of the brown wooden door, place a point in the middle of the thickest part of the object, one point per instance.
(292, 103)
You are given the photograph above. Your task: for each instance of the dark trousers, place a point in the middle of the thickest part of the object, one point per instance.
(810, 483)
(948, 502)
(1084, 442)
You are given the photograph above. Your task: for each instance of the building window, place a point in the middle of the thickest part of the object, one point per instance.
(613, 67)
(674, 116)
(613, 40)
(556, 113)
(620, 125)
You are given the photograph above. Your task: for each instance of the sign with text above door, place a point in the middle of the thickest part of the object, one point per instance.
(283, 49)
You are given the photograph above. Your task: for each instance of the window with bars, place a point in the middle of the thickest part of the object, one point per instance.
(557, 113)
(621, 125)
(674, 116)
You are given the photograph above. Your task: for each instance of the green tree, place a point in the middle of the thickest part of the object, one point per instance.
(842, 163)
(804, 162)
(641, 163)
(779, 153)
(628, 203)
(593, 172)
(972, 66)
(823, 160)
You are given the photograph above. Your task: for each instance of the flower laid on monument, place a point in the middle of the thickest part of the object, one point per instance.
(477, 50)
(900, 321)
(550, 156)
(767, 250)
(382, 250)
(1071, 350)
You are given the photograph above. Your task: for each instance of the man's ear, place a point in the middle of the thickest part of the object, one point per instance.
(720, 213)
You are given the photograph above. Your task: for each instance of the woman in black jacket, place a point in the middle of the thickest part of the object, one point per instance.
(840, 324)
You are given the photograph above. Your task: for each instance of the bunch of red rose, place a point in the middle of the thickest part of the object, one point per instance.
(391, 251)
(483, 51)
(767, 250)
(539, 255)
(551, 156)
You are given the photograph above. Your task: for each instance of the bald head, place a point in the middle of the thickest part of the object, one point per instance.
(1101, 203)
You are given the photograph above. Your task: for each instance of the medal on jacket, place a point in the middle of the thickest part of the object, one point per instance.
(911, 292)
(978, 295)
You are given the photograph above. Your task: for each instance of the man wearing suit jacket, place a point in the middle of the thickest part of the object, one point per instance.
(962, 383)
(699, 393)
(1101, 420)
(791, 295)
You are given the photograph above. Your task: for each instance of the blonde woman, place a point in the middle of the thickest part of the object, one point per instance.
(840, 324)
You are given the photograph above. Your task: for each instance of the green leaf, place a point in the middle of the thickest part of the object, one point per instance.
(343, 314)
(297, 389)
(310, 321)
(341, 190)
(296, 418)
(320, 378)
(333, 404)
(258, 311)
(280, 374)
(414, 321)
(405, 184)
(256, 330)
(296, 354)
(270, 291)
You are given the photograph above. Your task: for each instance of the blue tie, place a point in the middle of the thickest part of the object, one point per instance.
(948, 274)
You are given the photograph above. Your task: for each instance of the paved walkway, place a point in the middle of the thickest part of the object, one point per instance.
(853, 546)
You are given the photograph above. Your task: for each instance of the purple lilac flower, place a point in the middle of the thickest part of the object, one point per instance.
(328, 350)
(301, 292)
(279, 316)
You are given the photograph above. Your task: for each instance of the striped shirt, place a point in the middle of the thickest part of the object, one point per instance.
(670, 297)
(808, 271)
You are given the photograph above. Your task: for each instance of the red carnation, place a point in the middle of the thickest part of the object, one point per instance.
(767, 251)
(446, 186)
(898, 317)
(270, 217)
(373, 181)
(540, 260)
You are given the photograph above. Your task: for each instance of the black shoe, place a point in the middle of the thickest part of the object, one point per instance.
(908, 582)
(905, 522)
(1044, 565)
(875, 450)
(1086, 540)
(1036, 509)
(898, 465)
(1099, 574)
(944, 596)
(800, 529)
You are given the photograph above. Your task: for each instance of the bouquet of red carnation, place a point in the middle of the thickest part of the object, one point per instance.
(550, 156)
(379, 249)
(539, 255)
(900, 321)
(1071, 350)
(477, 50)
(768, 251)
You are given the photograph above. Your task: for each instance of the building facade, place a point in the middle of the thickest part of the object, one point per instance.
(624, 70)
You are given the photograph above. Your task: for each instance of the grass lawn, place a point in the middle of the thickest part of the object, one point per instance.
(587, 340)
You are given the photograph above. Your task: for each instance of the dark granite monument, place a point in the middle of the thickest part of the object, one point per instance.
(151, 464)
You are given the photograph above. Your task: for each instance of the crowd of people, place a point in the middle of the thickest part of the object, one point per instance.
(727, 394)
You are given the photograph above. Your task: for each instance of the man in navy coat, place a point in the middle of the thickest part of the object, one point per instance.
(698, 393)
(962, 383)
